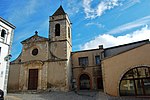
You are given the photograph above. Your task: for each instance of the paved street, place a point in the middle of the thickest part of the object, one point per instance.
(82, 95)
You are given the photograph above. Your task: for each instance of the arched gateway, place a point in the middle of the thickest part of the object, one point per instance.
(135, 82)
(84, 82)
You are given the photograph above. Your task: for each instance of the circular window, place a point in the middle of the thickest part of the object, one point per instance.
(35, 52)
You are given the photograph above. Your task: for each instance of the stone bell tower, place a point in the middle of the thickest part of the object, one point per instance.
(60, 48)
(60, 32)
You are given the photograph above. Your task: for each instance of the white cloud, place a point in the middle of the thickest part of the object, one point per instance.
(100, 9)
(137, 23)
(72, 7)
(129, 4)
(96, 24)
(109, 40)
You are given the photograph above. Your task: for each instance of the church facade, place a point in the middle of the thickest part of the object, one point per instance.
(45, 62)
(50, 64)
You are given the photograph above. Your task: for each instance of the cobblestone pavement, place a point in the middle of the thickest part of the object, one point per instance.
(82, 95)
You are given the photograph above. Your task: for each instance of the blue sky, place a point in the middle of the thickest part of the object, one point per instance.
(95, 22)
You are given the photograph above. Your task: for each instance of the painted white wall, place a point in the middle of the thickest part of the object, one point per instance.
(4, 53)
(5, 45)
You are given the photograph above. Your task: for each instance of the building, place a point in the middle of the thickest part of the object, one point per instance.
(45, 63)
(105, 69)
(86, 67)
(50, 64)
(127, 73)
(6, 36)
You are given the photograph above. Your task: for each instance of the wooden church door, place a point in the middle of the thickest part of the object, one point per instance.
(33, 79)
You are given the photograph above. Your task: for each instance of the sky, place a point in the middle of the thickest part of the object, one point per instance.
(95, 22)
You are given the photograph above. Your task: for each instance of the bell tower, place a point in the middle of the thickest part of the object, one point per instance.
(60, 26)
(60, 45)
(60, 33)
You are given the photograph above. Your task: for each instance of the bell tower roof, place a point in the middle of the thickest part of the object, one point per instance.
(59, 11)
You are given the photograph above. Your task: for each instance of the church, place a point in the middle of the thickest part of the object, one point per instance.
(49, 64)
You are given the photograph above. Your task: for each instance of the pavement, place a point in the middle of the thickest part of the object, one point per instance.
(80, 95)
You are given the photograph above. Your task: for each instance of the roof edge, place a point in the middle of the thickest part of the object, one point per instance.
(146, 41)
(31, 37)
(59, 11)
(7, 23)
(125, 51)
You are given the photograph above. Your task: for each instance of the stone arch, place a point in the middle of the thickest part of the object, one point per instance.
(84, 81)
(135, 81)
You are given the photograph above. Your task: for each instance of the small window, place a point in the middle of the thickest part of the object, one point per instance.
(19, 60)
(83, 61)
(57, 30)
(68, 32)
(3, 33)
(35, 52)
(97, 60)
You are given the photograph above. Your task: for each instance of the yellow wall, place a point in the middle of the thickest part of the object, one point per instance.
(115, 67)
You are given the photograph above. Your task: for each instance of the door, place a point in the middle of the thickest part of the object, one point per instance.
(33, 79)
(99, 83)
(84, 82)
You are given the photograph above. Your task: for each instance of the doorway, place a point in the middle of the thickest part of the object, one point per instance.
(84, 82)
(33, 79)
(99, 83)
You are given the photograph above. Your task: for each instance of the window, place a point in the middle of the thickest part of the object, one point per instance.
(35, 52)
(68, 32)
(83, 61)
(3, 33)
(136, 82)
(97, 60)
(57, 30)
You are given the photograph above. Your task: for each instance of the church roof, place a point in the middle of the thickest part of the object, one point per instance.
(59, 11)
(34, 38)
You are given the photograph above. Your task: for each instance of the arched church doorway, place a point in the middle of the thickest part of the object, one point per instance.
(135, 82)
(84, 82)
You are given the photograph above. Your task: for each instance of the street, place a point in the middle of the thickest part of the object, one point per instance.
(81, 95)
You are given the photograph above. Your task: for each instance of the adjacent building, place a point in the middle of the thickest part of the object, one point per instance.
(127, 73)
(50, 64)
(122, 70)
(87, 70)
(6, 36)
